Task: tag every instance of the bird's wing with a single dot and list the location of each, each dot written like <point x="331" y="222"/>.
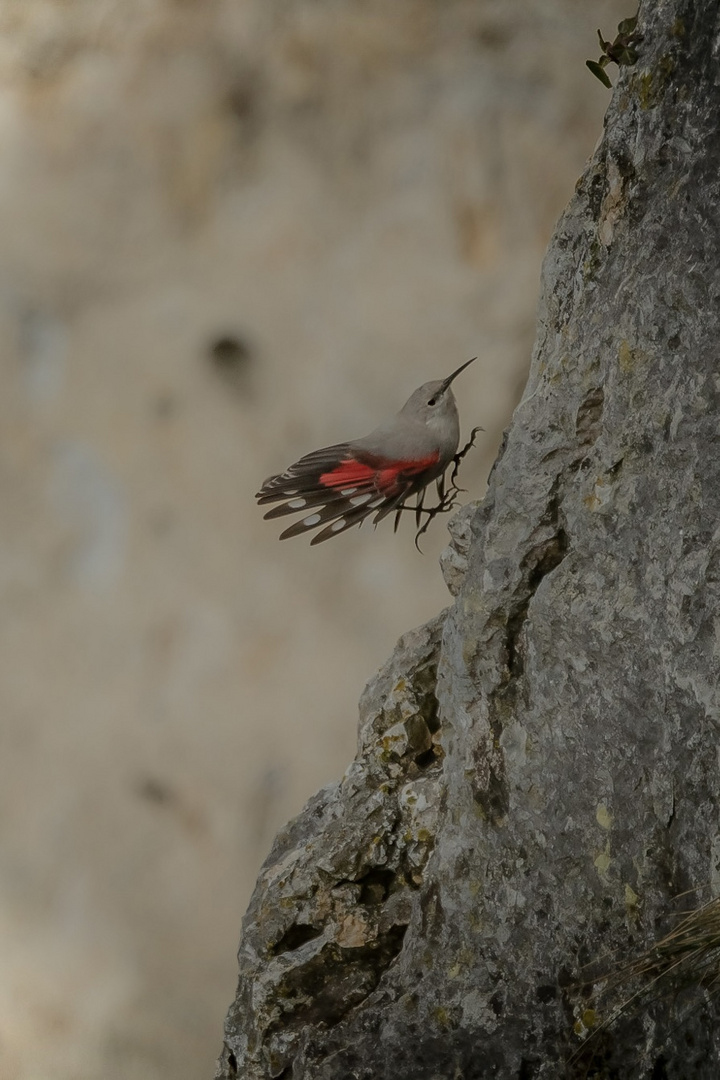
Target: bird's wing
<point x="341" y="486"/>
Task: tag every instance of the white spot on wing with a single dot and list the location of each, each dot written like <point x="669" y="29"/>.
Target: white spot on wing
<point x="297" y="504"/>
<point x="338" y="525"/>
<point x="313" y="519"/>
<point x="360" y="499"/>
<point x="348" y="491"/>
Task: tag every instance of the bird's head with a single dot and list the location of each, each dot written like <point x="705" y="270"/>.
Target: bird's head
<point x="433" y="403"/>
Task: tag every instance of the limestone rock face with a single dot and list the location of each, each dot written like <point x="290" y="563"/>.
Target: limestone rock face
<point x="537" y="778"/>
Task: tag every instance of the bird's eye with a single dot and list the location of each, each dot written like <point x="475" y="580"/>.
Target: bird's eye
<point x="432" y="401"/>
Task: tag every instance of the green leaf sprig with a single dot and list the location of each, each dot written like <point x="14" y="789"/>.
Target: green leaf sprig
<point x="621" y="51"/>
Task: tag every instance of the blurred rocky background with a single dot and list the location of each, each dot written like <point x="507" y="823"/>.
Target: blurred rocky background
<point x="230" y="231"/>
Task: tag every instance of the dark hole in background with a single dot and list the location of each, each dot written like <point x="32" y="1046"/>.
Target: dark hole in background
<point x="231" y="357"/>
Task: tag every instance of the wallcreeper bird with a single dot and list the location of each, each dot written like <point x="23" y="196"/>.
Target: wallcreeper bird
<point x="339" y="486"/>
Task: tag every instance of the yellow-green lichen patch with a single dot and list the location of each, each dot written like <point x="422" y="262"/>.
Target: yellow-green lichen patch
<point x="651" y="85"/>
<point x="631" y="899"/>
<point x="442" y="1016"/>
<point x="586" y="1022"/>
<point x="393" y="743"/>
<point x="602" y="861"/>
<point x="630" y="359"/>
<point x="594" y="260"/>
<point x="603" y="816"/>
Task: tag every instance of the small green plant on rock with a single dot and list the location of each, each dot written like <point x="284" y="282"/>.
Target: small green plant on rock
<point x="621" y="51"/>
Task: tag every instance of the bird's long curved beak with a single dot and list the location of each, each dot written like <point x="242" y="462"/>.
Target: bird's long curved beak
<point x="446" y="382"/>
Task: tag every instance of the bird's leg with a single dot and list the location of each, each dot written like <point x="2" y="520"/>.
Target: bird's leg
<point x="447" y="497"/>
<point x="459" y="457"/>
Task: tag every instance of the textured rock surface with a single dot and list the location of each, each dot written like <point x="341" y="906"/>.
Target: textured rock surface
<point x="540" y="801"/>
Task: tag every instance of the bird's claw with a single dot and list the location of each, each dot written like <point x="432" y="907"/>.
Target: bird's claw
<point x="461" y="454"/>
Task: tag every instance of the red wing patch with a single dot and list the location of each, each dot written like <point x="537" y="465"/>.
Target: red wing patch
<point x="383" y="476"/>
